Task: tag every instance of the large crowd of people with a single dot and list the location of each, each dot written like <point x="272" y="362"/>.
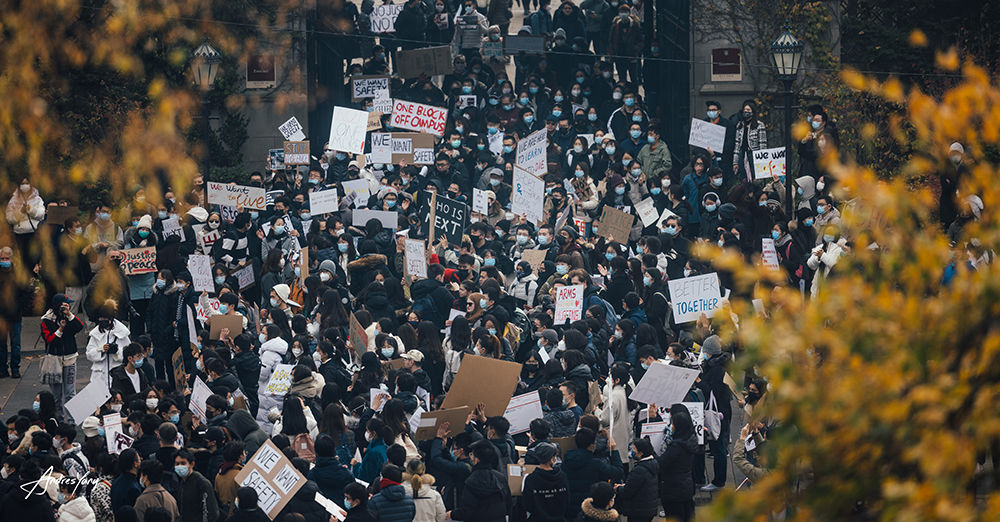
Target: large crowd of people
<point x="317" y="279"/>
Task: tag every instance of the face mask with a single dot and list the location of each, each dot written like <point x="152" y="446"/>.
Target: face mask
<point x="152" y="403"/>
<point x="522" y="240"/>
<point x="635" y="134"/>
<point x="262" y="337"/>
<point x="557" y="99"/>
<point x="223" y="309"/>
<point x="821" y="209"/>
<point x="808" y="222"/>
<point x="139" y="363"/>
<point x="103" y="216"/>
<point x="618" y="334"/>
<point x="100" y="431"/>
<point x="593" y="117"/>
<point x="279" y="230"/>
<point x="655" y="191"/>
<point x="341" y="156"/>
<point x="391" y="203"/>
<point x="619" y="190"/>
<point x="387" y="352"/>
<point x="466" y="89"/>
<point x="495" y="182"/>
<point x="820" y="185"/>
<point x="710" y="208"/>
<point x="36" y="406"/>
<point x="578" y="149"/>
<point x="636" y="119"/>
<point x="610" y="151"/>
<point x="716" y="182"/>
<point x="254" y="214"/>
<point x="636" y="173"/>
<point x="561" y="269"/>
<point x="296" y="352"/>
<point x="507" y="149"/>
<point x="775" y="235"/>
<point x="162" y="214"/>
<point x="615" y="95"/>
<point x="828" y="238"/>
<point x="305" y="216"/>
<point x="161" y="284"/>
<point x="609" y="256"/>
<point x="816" y="125"/>
<point x="492" y="331"/>
<point x="672" y="230"/>
<point x="625" y="162"/>
<point x="182" y="471"/>
<point x="199" y="365"/>
<point x="630" y="102"/>
<point x="712" y="114"/>
<point x="543" y="240"/>
<point x="482" y="303"/>
<point x="144" y="234"/>
<point x="747" y="115"/>
<point x="578" y="173"/>
<point x="78" y="231"/>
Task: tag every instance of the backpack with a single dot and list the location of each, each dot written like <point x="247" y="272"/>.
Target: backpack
<point x="303" y="446"/>
<point x="610" y="315"/>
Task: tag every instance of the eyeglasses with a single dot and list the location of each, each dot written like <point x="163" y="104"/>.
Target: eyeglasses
<point x="469" y="304"/>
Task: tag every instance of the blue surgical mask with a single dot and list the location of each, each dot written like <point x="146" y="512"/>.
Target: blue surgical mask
<point x="712" y="114"/>
<point x="557" y="113"/>
<point x="494" y="101"/>
<point x="139" y="363"/>
<point x="341" y="156"/>
<point x="490" y="261"/>
<point x="816" y="125"/>
<point x="808" y="222"/>
<point x="562" y="269"/>
<point x="100" y="431"/>
<point x="144" y="234"/>
<point x="279" y="230"/>
<point x="492" y="331"/>
<point x="629" y="102"/>
<point x="466" y="89"/>
<point x="482" y="302"/>
<point x="507" y="149"/>
<point x="672" y="230"/>
<point x="480" y="146"/>
<point x="223" y="309"/>
<point x="619" y="190"/>
<point x="625" y="162"/>
<point x="254" y="214"/>
<point x="36" y="406"/>
<point x="162" y="214"/>
<point x="313" y="181"/>
<point x="298" y="272"/>
<point x="391" y="203"/>
<point x="644" y="366"/>
<point x="522" y="240"/>
<point x="262" y="337"/>
<point x="592" y="117"/>
<point x="524" y="101"/>
<point x="647" y="281"/>
<point x="636" y="119"/>
<point x="342" y="247"/>
<point x="828" y="238"/>
<point x="198" y="365"/>
<point x="495" y="182"/>
<point x="274" y="302"/>
<point x="532" y="90"/>
<point x="161" y="284"/>
<point x="220" y="279"/>
<point x="762" y="203"/>
<point x="305" y="216"/>
<point x="558" y="99"/>
<point x="636" y="173"/>
<point x="710" y="208"/>
<point x="61" y="497"/>
<point x="347" y="504"/>
<point x="387" y="352"/>
<point x="492" y="130"/>
<point x="508" y="107"/>
<point x="529" y="119"/>
<point x="610" y="151"/>
<point x="175" y="418"/>
<point x="820" y="209"/>
<point x="578" y="173"/>
<point x="775" y="235"/>
<point x="635" y="133"/>
<point x="182" y="471"/>
<point x="543" y="240"/>
<point x="609" y="256"/>
<point x="655" y="191"/>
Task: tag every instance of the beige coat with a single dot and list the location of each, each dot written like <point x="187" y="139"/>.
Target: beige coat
<point x="616" y="403"/>
<point x="156" y="496"/>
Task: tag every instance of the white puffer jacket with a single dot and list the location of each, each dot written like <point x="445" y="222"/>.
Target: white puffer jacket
<point x="24" y="213"/>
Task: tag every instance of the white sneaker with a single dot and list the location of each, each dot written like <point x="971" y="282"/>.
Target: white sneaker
<point x="708" y="488"/>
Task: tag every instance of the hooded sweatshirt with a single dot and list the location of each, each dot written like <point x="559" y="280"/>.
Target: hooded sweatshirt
<point x="546" y="495"/>
<point x="485" y="496"/>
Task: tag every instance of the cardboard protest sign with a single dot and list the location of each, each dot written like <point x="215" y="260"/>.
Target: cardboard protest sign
<point x="363" y="87"/>
<point x="769" y="162"/>
<point x="483" y="380"/>
<point x="232" y="195"/>
<point x="347" y="130"/>
<point x="245" y="276"/>
<point x="58" y="215"/>
<point x="419" y="117"/>
<point x="657" y="433"/>
<point x="531" y="153"/>
<point x="177" y="365"/>
<point x="480" y="203"/>
<point x="431" y="61"/>
<point x="527" y="44"/>
<point x="516" y="475"/>
<point x="768" y="254"/>
<point x="88" y="400"/>
<point x="292" y="130"/>
<point x="647" y="212"/>
<point x="357" y="337"/>
<point x="296" y="152"/>
<point x="201" y="273"/>
<point x="280" y="380"/>
<point x="707" y="135"/>
<point x="388" y="218"/>
<point x="492" y="49"/>
<point x="615" y="224"/>
<point x="692" y="296"/>
<point x="383" y="18"/>
<point x="450" y="218"/>
<point x="303" y="264"/>
<point x="199" y="393"/>
<point x="416" y="258"/>
<point x="697" y="411"/>
<point x="360" y="189"/>
<point x="405" y="146"/>
<point x="569" y="304"/>
<point x="381" y="147"/>
<point x="138" y="260"/>
<point x="323" y="202"/>
<point x="527" y="196"/>
<point x="664" y="384"/>
<point x="374" y="119"/>
<point x="534" y="257"/>
<point x="565" y="444"/>
<point x="430" y="420"/>
<point x="218" y="321"/>
<point x="522" y="410"/>
<point x="272" y="476"/>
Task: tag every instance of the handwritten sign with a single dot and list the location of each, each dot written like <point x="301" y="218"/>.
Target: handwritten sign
<point x="419" y="117"/>
<point x="292" y="130"/>
<point x="138" y="260"/>
<point x="664" y="384"/>
<point x="534" y="257"/>
<point x="406" y="145"/>
<point x="615" y="224"/>
<point x="209" y="238"/>
<point x="296" y="153"/>
<point x="199" y="395"/>
<point x="272" y="476"/>
<point x="431" y="61"/>
<point x="522" y="410"/>
<point x="569" y="304"/>
<point x="357" y="337"/>
<point x="388" y="218"/>
<point x="280" y="380"/>
<point x="707" y="135"/>
<point x="347" y="130"/>
<point x="480" y="203"/>
<point x="693" y="296"/>
<point x="450" y="218"/>
<point x="769" y="162"/>
<point x="492" y="49"/>
<point x="381" y="147"/>
<point x="245" y="276"/>
<point x="697" y="411"/>
<point x="201" y="273"/>
<point x="323" y="202"/>
<point x="358" y="190"/>
<point x="416" y="260"/>
<point x="647" y="212"/>
<point x="528" y="195"/>
<point x="177" y="365"/>
<point x="531" y="153"/>
<point x="363" y="87"/>
<point x="236" y="196"/>
<point x="768" y="254"/>
<point x="383" y="18"/>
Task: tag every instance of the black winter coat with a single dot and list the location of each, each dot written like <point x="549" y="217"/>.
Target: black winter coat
<point x="676" y="479"/>
<point x="162" y="305"/>
<point x="485" y="496"/>
<point x="304" y="503"/>
<point x="637" y="498"/>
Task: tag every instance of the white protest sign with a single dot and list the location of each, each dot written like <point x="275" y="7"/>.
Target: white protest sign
<point x="112" y="432"/>
<point x="664" y="384"/>
<point x="480" y="202"/>
<point x="697" y="411"/>
<point x="382" y="104"/>
<point x="347" y="130"/>
<point x="496" y="142"/>
<point x="569" y="304"/>
<point x="531" y="153"/>
<point x="172" y="227"/>
<point x="199" y="394"/>
<point x="280" y="380"/>
<point x="271" y="475"/>
<point x="657" y="433"/>
<point x="245" y="276"/>
<point x="647" y="212"/>
<point x="88" y="400"/>
<point x="466" y="100"/>
<point x="418" y="117"/>
<point x="415" y="419"/>
<point x="231" y="195"/>
<point x="769" y="162"/>
<point x="388" y="218"/>
<point x="693" y="296"/>
<point x="707" y="135"/>
<point x="369" y="87"/>
<point x="375" y="393"/>
<point x="201" y="273"/>
<point x="323" y="202"/>
<point x="209" y="238"/>
<point x="423" y="156"/>
<point x="522" y="410"/>
<point x="381" y="147"/>
<point x="768" y="254"/>
<point x="667" y="214"/>
<point x="527" y="196"/>
<point x="292" y="130"/>
<point x="331" y="507"/>
<point x="416" y="262"/>
<point x="383" y="18"/>
<point x="202" y="313"/>
<point x="359" y="190"/>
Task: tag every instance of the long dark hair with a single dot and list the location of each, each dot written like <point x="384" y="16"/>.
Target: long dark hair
<point x="332" y="422"/>
<point x="331" y="309"/>
<point x="429" y="341"/>
<point x="395" y="418"/>
<point x="756" y="113"/>
<point x="293" y="418"/>
<point x="461" y="334"/>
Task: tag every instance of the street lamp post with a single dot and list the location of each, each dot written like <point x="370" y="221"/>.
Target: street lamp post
<point x="205" y="66"/>
<point x="786" y="52"/>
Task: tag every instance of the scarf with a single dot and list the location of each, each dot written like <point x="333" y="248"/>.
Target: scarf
<point x="384" y="483"/>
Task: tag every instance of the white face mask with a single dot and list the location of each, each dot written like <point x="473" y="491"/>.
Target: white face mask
<point x="296" y="351"/>
<point x="25" y="187"/>
<point x="152" y="403"/>
<point x="368" y="436"/>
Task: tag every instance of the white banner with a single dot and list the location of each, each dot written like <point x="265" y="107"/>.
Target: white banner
<point x="531" y="153"/>
<point x="347" y="130"/>
<point x="707" y="135"/>
<point x="693" y="296"/>
<point x="527" y="196"/>
<point x="232" y="195"/>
